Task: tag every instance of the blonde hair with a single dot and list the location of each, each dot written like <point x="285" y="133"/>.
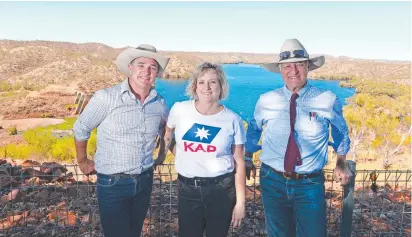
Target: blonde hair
<point x="200" y="71"/>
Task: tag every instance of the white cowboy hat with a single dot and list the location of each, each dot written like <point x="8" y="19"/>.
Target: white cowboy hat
<point x="143" y="50"/>
<point x="293" y="51"/>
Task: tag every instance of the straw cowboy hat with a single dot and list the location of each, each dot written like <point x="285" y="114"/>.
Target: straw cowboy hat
<point x="293" y="51"/>
<point x="143" y="50"/>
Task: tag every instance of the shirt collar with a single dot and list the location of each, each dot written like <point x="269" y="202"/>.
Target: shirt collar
<point x="288" y="93"/>
<point x="125" y="87"/>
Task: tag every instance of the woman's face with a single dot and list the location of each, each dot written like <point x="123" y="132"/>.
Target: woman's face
<point x="208" y="86"/>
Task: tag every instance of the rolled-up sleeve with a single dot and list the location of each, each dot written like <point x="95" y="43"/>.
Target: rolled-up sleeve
<point x="91" y="117"/>
<point x="254" y="130"/>
<point x="340" y="133"/>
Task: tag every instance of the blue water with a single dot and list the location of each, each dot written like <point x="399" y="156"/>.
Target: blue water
<point x="246" y="83"/>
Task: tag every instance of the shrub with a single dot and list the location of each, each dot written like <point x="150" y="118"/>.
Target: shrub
<point x="70" y="107"/>
<point x="5" y="86"/>
<point x="47" y="115"/>
<point x="21" y="151"/>
<point x="64" y="149"/>
<point x="12" y="130"/>
<point x="40" y="141"/>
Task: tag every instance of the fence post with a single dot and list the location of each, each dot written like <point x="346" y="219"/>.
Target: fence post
<point x="348" y="201"/>
<point x="80" y="105"/>
<point x="78" y="95"/>
<point x="85" y="101"/>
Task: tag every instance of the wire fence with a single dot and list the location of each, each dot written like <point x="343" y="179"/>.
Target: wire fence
<point x="50" y="199"/>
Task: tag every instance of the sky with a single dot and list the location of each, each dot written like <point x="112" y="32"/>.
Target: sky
<point x="370" y="30"/>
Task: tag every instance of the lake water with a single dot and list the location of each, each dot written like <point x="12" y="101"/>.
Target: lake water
<point x="246" y="83"/>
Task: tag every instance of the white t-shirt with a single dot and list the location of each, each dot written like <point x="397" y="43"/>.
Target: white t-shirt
<point x="204" y="142"/>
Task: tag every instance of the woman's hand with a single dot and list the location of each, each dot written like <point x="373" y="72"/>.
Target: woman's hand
<point x="238" y="214"/>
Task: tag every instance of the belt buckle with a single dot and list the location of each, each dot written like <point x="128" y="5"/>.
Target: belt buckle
<point x="196" y="185"/>
<point x="288" y="175"/>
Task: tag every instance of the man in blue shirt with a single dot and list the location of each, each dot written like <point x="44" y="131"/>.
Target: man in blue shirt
<point x="128" y="117"/>
<point x="296" y="120"/>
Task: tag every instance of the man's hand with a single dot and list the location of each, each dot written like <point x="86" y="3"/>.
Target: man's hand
<point x="238" y="214"/>
<point x="87" y="167"/>
<point x="341" y="173"/>
<point x="250" y="169"/>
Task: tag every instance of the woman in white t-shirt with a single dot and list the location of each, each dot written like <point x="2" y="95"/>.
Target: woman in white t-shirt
<point x="209" y="157"/>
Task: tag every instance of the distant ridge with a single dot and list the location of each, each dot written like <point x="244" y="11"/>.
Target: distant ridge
<point x="40" y="63"/>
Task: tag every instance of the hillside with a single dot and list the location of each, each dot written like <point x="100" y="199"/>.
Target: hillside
<point x="39" y="78"/>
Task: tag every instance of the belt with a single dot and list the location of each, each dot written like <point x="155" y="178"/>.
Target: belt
<point x="124" y="175"/>
<point x="204" y="181"/>
<point x="293" y="175"/>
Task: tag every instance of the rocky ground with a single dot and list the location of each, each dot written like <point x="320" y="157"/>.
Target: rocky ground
<point x="51" y="199"/>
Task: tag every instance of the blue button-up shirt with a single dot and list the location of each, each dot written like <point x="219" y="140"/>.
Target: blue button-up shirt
<point x="126" y="128"/>
<point x="316" y="109"/>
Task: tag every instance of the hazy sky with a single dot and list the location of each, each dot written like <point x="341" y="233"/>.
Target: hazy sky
<point x="377" y="30"/>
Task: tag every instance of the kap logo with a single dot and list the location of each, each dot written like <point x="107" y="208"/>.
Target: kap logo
<point x="200" y="133"/>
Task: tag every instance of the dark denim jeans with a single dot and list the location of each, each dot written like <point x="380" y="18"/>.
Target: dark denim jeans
<point x="293" y="207"/>
<point x="123" y="203"/>
<point x="206" y="207"/>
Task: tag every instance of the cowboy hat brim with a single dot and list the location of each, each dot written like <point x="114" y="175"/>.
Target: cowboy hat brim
<point x="314" y="63"/>
<point x="127" y="56"/>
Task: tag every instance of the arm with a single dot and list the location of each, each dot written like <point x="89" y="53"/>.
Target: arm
<point x="240" y="175"/>
<point x="170" y="127"/>
<point x="91" y="117"/>
<point x="254" y="130"/>
<point x="169" y="140"/>
<point x="85" y="165"/>
<point x="253" y="135"/>
<point x="166" y="143"/>
<point x="166" y="139"/>
<point x="240" y="185"/>
<point x="341" y="141"/>
<point x="81" y="151"/>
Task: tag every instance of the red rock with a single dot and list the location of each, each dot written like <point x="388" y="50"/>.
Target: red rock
<point x="30" y="163"/>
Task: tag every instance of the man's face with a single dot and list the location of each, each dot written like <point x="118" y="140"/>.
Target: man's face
<point x="143" y="72"/>
<point x="294" y="75"/>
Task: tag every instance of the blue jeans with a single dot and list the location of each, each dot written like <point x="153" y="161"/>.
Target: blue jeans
<point x="293" y="207"/>
<point x="123" y="202"/>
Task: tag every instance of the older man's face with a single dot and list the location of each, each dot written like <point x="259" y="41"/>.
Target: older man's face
<point x="143" y="72"/>
<point x="294" y="75"/>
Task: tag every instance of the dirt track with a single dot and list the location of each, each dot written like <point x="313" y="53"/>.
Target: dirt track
<point x="24" y="124"/>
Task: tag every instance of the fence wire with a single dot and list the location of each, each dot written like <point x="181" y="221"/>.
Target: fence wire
<point x="58" y="200"/>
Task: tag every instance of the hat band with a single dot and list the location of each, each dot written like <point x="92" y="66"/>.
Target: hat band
<point x="146" y="49"/>
<point x="293" y="54"/>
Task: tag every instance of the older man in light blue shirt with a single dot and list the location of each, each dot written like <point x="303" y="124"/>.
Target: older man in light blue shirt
<point x="128" y="117"/>
<point x="296" y="121"/>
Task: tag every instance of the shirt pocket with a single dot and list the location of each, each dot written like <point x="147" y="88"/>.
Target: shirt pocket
<point x="124" y="121"/>
<point x="311" y="125"/>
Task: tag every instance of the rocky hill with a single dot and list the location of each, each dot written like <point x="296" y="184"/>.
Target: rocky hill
<point x="39" y="78"/>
